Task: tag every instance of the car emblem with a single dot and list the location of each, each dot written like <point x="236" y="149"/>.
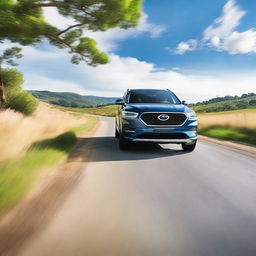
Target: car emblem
<point x="163" y="117"/>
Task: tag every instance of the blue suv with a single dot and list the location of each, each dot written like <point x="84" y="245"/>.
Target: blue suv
<point x="155" y="115"/>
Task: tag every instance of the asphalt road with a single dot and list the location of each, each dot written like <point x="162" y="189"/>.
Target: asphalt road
<point x="155" y="200"/>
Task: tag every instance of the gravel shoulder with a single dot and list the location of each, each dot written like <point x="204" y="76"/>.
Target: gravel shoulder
<point x="239" y="147"/>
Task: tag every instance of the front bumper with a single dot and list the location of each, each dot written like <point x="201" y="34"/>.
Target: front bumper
<point x="136" y="131"/>
<point x="175" y="141"/>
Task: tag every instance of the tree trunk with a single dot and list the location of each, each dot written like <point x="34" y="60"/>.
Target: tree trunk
<point x="2" y="94"/>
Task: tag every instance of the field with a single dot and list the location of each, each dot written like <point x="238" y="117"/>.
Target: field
<point x="110" y="110"/>
<point x="245" y="118"/>
<point x="18" y="132"/>
<point x="32" y="145"/>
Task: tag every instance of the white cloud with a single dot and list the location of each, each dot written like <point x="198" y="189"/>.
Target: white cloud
<point x="122" y="73"/>
<point x="183" y="47"/>
<point x="154" y="30"/>
<point x="222" y="36"/>
<point x="53" y="17"/>
<point x="108" y="40"/>
<point x="38" y="82"/>
<point x="215" y="41"/>
<point x="223" y="26"/>
<point x="240" y="43"/>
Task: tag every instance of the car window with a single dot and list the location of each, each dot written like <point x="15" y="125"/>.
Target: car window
<point x="154" y="96"/>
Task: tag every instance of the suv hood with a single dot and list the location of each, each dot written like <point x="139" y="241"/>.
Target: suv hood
<point x="156" y="108"/>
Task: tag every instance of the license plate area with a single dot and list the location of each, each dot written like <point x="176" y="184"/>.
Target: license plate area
<point x="163" y="130"/>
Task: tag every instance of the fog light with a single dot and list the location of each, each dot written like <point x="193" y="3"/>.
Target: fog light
<point x="126" y="130"/>
<point x="193" y="129"/>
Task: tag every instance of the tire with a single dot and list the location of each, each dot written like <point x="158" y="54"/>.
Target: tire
<point x="124" y="144"/>
<point x="117" y="135"/>
<point x="188" y="147"/>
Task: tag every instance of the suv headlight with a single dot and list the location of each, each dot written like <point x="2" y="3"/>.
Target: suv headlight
<point x="191" y="115"/>
<point x="128" y="114"/>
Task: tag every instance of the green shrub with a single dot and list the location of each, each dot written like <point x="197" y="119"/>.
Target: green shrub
<point x="21" y="101"/>
<point x="16" y="98"/>
<point x="242" y="104"/>
<point x="12" y="78"/>
<point x="252" y="102"/>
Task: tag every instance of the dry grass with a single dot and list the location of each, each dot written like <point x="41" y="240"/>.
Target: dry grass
<point x="240" y="119"/>
<point x="17" y="132"/>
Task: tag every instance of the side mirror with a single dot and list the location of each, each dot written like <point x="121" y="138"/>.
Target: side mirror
<point x="184" y="102"/>
<point x="119" y="102"/>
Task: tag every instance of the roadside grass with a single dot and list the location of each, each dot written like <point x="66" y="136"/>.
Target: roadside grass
<point x="17" y="178"/>
<point x="250" y="110"/>
<point x="110" y="110"/>
<point x="243" y="135"/>
<point x="238" y="118"/>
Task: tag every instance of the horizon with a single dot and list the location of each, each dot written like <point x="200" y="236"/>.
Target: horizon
<point x="100" y="96"/>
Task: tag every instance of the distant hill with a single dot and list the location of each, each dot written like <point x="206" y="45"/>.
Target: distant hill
<point x="67" y="99"/>
<point x="226" y="103"/>
<point x="74" y="100"/>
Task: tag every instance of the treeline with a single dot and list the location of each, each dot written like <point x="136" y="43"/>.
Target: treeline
<point x="64" y="103"/>
<point x="225" y="98"/>
<point x="227" y="103"/>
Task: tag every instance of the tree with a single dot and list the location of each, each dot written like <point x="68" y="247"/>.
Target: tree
<point x="7" y="57"/>
<point x="252" y="102"/>
<point x="22" y="21"/>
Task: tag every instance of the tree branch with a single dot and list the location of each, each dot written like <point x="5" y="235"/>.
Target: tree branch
<point x="70" y="27"/>
<point x="60" y="40"/>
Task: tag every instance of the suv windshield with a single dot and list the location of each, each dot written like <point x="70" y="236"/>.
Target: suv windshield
<point x="152" y="96"/>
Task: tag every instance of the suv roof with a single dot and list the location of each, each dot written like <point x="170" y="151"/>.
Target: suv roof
<point x="138" y="90"/>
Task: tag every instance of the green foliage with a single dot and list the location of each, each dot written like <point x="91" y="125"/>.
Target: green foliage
<point x="230" y="133"/>
<point x="17" y="99"/>
<point x="252" y="102"/>
<point x="21" y="101"/>
<point x="10" y="54"/>
<point x="22" y="22"/>
<point x="87" y="46"/>
<point x="12" y="79"/>
<point x="226" y="103"/>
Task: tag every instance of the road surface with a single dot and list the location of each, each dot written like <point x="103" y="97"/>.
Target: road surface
<point x="155" y="200"/>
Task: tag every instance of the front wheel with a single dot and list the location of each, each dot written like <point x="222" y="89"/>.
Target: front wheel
<point x="117" y="135"/>
<point x="188" y="147"/>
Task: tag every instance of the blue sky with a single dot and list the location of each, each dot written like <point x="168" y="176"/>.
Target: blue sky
<point x="185" y="20"/>
<point x="199" y="49"/>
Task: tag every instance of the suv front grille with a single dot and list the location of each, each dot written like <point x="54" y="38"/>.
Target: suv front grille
<point x="175" y="119"/>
